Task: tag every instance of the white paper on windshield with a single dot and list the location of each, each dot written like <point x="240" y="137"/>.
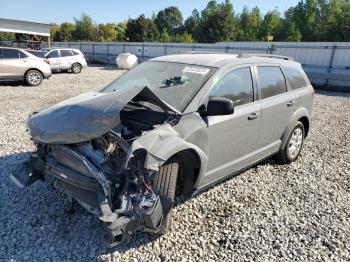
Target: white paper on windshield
<point x="196" y="70"/>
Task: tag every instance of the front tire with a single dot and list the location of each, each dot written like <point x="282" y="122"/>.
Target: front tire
<point x="294" y="144"/>
<point x="33" y="77"/>
<point x="165" y="185"/>
<point x="76" y="68"/>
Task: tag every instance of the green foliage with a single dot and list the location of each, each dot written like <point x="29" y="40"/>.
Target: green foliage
<point x="85" y="30"/>
<point x="54" y="30"/>
<point x="182" y="38"/>
<point x="249" y="25"/>
<point x="271" y="23"/>
<point x="121" y="27"/>
<point x="178" y="38"/>
<point x="217" y="23"/>
<point x="107" y="32"/>
<point x="309" y="20"/>
<point x="169" y="20"/>
<point x="141" y="29"/>
<point x="66" y="32"/>
<point x="292" y="33"/>
<point x="191" y="23"/>
<point x="6" y="36"/>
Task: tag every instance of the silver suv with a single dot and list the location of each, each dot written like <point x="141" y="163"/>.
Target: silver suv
<point x="19" y="65"/>
<point x="66" y="59"/>
<point x="173" y="125"/>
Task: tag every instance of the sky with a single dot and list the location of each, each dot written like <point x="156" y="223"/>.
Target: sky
<point x="103" y="11"/>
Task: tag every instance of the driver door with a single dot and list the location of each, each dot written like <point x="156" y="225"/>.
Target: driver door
<point x="233" y="138"/>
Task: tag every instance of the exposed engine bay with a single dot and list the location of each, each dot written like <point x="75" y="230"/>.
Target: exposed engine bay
<point x="104" y="174"/>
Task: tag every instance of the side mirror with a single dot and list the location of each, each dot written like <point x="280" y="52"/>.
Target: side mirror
<point x="47" y="56"/>
<point x="218" y="106"/>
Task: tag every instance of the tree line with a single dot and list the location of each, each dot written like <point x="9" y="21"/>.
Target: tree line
<point x="309" y="20"/>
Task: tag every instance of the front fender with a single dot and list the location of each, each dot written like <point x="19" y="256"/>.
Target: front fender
<point x="161" y="144"/>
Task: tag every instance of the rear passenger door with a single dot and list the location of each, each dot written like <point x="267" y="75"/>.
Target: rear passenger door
<point x="67" y="59"/>
<point x="277" y="105"/>
<point x="54" y="58"/>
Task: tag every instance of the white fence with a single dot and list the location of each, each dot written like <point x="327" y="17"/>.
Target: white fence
<point x="326" y="63"/>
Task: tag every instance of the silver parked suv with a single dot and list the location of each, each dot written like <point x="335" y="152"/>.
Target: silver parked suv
<point x="66" y="59"/>
<point x="19" y="65"/>
<point x="171" y="126"/>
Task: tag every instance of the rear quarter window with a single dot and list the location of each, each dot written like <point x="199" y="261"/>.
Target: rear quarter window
<point x="65" y="53"/>
<point x="271" y="81"/>
<point x="295" y="78"/>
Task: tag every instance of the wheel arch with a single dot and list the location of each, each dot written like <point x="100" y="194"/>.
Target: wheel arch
<point x="189" y="171"/>
<point x="25" y="73"/>
<point x="301" y="115"/>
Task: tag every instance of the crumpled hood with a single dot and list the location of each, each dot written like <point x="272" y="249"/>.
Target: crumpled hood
<point x="86" y="116"/>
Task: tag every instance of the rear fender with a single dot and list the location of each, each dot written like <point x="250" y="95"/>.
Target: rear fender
<point x="301" y="112"/>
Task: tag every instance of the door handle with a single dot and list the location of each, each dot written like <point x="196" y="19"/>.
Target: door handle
<point x="253" y="116"/>
<point x="291" y="103"/>
<point x="26" y="61"/>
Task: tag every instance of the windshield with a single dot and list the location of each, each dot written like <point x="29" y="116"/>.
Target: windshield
<point x="174" y="83"/>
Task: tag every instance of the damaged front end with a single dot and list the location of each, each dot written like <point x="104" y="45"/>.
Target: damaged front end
<point x="85" y="148"/>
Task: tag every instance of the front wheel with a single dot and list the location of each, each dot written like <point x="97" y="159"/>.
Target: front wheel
<point x="76" y="68"/>
<point x="294" y="144"/>
<point x="165" y="185"/>
<point x="33" y="77"/>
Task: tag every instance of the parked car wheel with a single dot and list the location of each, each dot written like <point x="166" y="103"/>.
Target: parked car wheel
<point x="294" y="144"/>
<point x="76" y="68"/>
<point x="33" y="77"/>
<point x="165" y="184"/>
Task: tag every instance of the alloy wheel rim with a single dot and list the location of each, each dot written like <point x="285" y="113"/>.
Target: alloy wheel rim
<point x="76" y="68"/>
<point x="295" y="143"/>
<point x="34" y="78"/>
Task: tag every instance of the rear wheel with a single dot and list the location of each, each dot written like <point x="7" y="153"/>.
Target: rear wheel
<point x="294" y="144"/>
<point x="165" y="185"/>
<point x="76" y="68"/>
<point x="33" y="77"/>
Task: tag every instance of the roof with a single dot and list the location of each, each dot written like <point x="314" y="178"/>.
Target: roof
<point x="212" y="60"/>
<point x="24" y="27"/>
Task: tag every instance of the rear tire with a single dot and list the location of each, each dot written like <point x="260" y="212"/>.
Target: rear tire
<point x="33" y="77"/>
<point x="165" y="185"/>
<point x="294" y="144"/>
<point x="76" y="68"/>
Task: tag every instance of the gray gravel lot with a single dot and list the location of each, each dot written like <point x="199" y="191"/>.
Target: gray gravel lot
<point x="271" y="212"/>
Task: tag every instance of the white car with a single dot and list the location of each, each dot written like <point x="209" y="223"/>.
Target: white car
<point x="64" y="59"/>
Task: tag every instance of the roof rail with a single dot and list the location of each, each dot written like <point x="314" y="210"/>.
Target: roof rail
<point x="267" y="56"/>
<point x="203" y="52"/>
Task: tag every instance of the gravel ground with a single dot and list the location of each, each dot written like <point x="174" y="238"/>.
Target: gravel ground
<point x="270" y="212"/>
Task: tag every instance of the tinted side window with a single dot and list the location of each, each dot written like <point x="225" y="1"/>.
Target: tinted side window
<point x="295" y="78"/>
<point x="272" y="81"/>
<point x="65" y="53"/>
<point x="10" y="53"/>
<point x="53" y="54"/>
<point x="236" y="85"/>
<point x="75" y="52"/>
